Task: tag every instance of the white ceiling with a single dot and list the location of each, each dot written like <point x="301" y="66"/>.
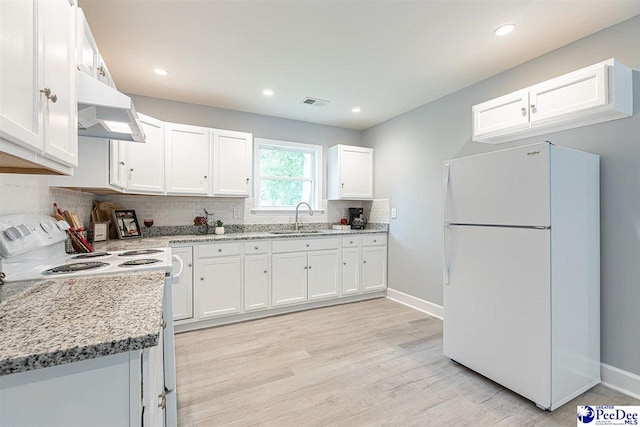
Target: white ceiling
<point x="384" y="56"/>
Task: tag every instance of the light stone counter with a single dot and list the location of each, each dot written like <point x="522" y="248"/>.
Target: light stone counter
<point x="51" y="322"/>
<point x="165" y="241"/>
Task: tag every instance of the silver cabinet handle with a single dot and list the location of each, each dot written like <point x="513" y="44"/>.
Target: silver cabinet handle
<point x="307" y="245"/>
<point x="202" y="278"/>
<point x="375" y="241"/>
<point x="189" y="265"/>
<point x="305" y="267"/>
<point x="121" y="162"/>
<point x="309" y="267"/>
<point x="364" y="262"/>
<point x="219" y="250"/>
<point x="101" y="71"/>
<point x="532" y="106"/>
<point x="344" y="263"/>
<point x="49" y="94"/>
<point x="343" y="185"/>
<point x="131" y="170"/>
<point x="350" y="242"/>
<point x="523" y="109"/>
<point x="247" y="180"/>
<point x="256" y="248"/>
<point x="164" y="324"/>
<point x="163" y="403"/>
<point x="265" y="272"/>
<point x="205" y="177"/>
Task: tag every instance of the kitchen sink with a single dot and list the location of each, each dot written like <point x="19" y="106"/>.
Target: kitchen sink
<point x="296" y="232"/>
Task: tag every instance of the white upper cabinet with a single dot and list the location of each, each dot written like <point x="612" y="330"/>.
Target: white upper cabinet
<point x="350" y="173"/>
<point x="89" y="59"/>
<point x="231" y="163"/>
<point x="146" y="160"/>
<point x="187" y="159"/>
<point x="37" y="82"/>
<point x="590" y="95"/>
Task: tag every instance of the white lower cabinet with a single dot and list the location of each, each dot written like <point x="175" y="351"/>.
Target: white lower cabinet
<point x="124" y="389"/>
<point x="350" y="271"/>
<point x="323" y="274"/>
<point x="374" y="268"/>
<point x="289" y="278"/>
<point x="182" y="290"/>
<point x="256" y="282"/>
<point x="239" y="278"/>
<point x="218" y="288"/>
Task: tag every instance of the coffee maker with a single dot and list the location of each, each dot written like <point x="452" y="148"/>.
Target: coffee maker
<point x="356" y="220"/>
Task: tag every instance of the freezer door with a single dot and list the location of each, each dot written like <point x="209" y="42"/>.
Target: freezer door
<point x="507" y="187"/>
<point x="497" y="306"/>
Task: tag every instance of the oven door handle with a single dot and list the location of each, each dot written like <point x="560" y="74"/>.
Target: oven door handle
<point x="176" y="277"/>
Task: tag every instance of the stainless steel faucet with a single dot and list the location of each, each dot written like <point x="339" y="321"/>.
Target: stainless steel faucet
<point x="310" y="213"/>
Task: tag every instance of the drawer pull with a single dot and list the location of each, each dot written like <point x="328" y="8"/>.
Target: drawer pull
<point x="189" y="265"/>
<point x="202" y="278"/>
<point x="265" y="272"/>
<point x="375" y="241"/>
<point x="219" y="250"/>
<point x="364" y="262"/>
<point x="351" y="242"/>
<point x="307" y="245"/>
<point x="256" y="248"/>
<point x="344" y="263"/>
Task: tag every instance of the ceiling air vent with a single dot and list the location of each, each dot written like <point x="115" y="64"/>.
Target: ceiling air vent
<point x="314" y="101"/>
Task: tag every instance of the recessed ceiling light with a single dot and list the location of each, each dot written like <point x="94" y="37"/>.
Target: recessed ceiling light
<point x="267" y="92"/>
<point x="160" y="71"/>
<point x="504" y="30"/>
<point x="356" y="109"/>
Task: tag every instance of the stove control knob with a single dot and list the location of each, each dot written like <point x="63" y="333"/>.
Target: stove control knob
<point x="62" y="225"/>
<point x="12" y="233"/>
<point x="46" y="226"/>
<point x="24" y="230"/>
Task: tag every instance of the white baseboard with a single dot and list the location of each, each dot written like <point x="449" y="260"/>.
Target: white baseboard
<point x="424" y="306"/>
<point x="619" y="380"/>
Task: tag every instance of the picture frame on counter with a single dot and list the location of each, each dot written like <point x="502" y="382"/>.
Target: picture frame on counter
<point x="126" y="222"/>
<point x="100" y="231"/>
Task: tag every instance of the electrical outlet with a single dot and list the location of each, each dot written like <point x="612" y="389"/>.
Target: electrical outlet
<point x="236" y="213"/>
<point x="394" y="213"/>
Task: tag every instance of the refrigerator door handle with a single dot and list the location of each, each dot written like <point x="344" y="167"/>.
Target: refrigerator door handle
<point x="445" y="225"/>
<point x="445" y="260"/>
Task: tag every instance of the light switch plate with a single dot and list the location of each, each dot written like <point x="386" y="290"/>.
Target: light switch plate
<point x="236" y="213"/>
<point x="394" y="213"/>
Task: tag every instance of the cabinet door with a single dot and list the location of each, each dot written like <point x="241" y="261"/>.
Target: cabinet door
<point x="356" y="173"/>
<point x="501" y="115"/>
<point x="187" y="159"/>
<point x="374" y="268"/>
<point x="231" y="160"/>
<point x="58" y="36"/>
<point x="153" y="385"/>
<point x="289" y="278"/>
<point x="218" y="288"/>
<point x="568" y="95"/>
<point x="182" y="292"/>
<point x="146" y="161"/>
<point x="256" y="282"/>
<point x="350" y="271"/>
<point x="19" y="77"/>
<point x="323" y="274"/>
<point x="118" y="164"/>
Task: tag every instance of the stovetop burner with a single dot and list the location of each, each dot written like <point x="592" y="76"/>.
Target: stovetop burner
<point x="77" y="266"/>
<point x="92" y="255"/>
<point x="141" y="252"/>
<point x="136" y="262"/>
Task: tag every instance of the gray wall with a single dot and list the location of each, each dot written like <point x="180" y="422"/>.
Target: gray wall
<point x="411" y="148"/>
<point x="260" y="126"/>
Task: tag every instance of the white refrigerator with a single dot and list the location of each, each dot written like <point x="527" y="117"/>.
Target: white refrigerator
<point x="522" y="269"/>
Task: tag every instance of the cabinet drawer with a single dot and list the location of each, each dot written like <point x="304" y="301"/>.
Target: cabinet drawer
<point x="351" y="242"/>
<point x="258" y="247"/>
<point x="299" y="245"/>
<point x="218" y="249"/>
<point x="375" y="240"/>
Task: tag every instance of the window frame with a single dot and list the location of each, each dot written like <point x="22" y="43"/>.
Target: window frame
<point x="291" y="146"/>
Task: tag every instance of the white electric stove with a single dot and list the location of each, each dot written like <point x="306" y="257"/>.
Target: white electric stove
<point x="32" y="247"/>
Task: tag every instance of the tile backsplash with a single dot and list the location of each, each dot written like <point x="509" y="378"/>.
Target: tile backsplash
<point x="31" y="194"/>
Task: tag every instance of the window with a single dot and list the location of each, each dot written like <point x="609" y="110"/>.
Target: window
<point x="287" y="173"/>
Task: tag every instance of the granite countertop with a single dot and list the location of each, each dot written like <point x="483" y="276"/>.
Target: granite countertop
<point x="165" y="241"/>
<point x="51" y="322"/>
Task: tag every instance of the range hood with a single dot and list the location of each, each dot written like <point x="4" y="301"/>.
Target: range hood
<point x="103" y="112"/>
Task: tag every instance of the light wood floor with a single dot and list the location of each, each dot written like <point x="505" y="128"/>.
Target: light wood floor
<point x="370" y="363"/>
